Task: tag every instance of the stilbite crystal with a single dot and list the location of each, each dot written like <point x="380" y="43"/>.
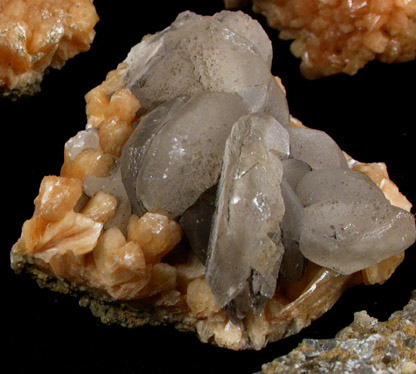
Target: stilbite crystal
<point x="341" y="36"/>
<point x="35" y="35"/>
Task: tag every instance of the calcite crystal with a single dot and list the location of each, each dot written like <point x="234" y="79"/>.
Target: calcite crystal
<point x="243" y="279"/>
<point x="193" y="197"/>
<point x="36" y="35"/>
<point x="366" y="346"/>
<point x="341" y="36"/>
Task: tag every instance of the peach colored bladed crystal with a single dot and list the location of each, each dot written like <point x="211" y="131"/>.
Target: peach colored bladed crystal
<point x="38" y="34"/>
<point x="341" y="36"/>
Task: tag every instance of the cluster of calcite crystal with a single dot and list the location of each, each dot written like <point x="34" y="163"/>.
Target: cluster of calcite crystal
<point x="341" y="36"/>
<point x="192" y="194"/>
<point x="37" y="34"/>
<point x="366" y="346"/>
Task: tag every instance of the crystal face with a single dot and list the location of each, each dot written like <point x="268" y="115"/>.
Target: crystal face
<point x="197" y="54"/>
<point x="293" y="262"/>
<point x="337" y="184"/>
<point x="348" y="237"/>
<point x="316" y="148"/>
<point x="243" y="265"/>
<point x="184" y="158"/>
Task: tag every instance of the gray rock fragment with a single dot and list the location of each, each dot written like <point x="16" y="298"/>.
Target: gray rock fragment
<point x="366" y="346"/>
<point x="245" y="248"/>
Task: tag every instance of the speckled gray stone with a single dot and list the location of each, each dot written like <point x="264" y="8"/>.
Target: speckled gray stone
<point x="366" y="346"/>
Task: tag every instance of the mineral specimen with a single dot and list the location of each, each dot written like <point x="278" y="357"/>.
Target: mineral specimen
<point x="189" y="148"/>
<point x="36" y="35"/>
<point x="341" y="36"/>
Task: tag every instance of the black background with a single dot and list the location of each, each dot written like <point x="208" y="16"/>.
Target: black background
<point x="371" y="116"/>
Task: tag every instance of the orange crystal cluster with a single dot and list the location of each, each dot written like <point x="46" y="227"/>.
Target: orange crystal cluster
<point x="341" y="36"/>
<point x="66" y="233"/>
<point x="37" y="34"/>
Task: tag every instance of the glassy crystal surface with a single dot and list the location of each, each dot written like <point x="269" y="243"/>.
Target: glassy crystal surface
<point x="113" y="185"/>
<point x="285" y="198"/>
<point x="245" y="249"/>
<point x="184" y="158"/>
<point x="285" y="194"/>
<point x="316" y="148"/>
<point x="293" y="263"/>
<point x="196" y="223"/>
<point x="350" y="236"/>
<point x="246" y="26"/>
<point x="83" y="140"/>
<point x="294" y="170"/>
<point x="138" y="146"/>
<point x="337" y="184"/>
<point x="197" y="54"/>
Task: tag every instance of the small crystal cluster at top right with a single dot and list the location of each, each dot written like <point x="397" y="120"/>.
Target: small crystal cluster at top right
<point x="342" y="36"/>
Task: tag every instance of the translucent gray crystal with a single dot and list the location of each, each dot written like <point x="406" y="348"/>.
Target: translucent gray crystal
<point x="137" y="147"/>
<point x="316" y="148"/>
<point x="198" y="54"/>
<point x="294" y="170"/>
<point x="184" y="157"/>
<point x="249" y="28"/>
<point x="294" y="212"/>
<point x="337" y="184"/>
<point x="196" y="223"/>
<point x="350" y="236"/>
<point x="245" y="248"/>
<point x="113" y="185"/>
<point x="83" y="140"/>
<point x="293" y="263"/>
